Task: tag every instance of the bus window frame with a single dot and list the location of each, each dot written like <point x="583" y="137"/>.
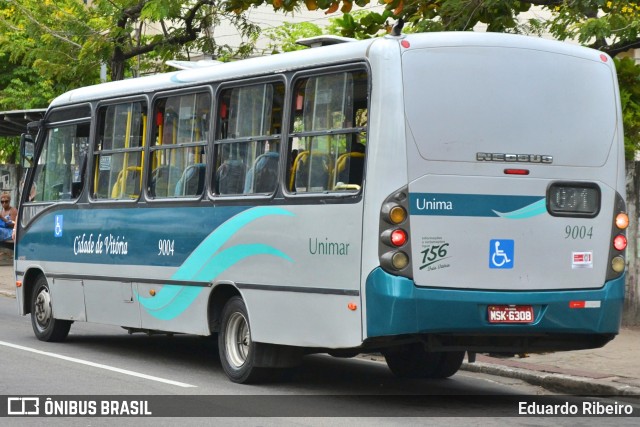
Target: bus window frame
<point x="326" y="195"/>
<point x="280" y="78"/>
<point x="36" y="208"/>
<point x="208" y="144"/>
<point x="97" y="106"/>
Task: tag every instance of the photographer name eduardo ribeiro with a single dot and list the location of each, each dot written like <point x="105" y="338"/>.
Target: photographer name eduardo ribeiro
<point x="583" y="409"/>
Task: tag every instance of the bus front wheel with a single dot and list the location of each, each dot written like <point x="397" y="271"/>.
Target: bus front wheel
<point x="413" y="361"/>
<point x="45" y="326"/>
<point x="237" y="350"/>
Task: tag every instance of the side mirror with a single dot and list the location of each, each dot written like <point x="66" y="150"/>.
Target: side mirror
<point x="26" y="150"/>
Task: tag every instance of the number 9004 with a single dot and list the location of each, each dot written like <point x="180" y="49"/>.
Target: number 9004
<point x="578" y="232"/>
<point x="165" y="247"/>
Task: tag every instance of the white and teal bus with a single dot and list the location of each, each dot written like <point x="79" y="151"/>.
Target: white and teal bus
<point x="421" y="196"/>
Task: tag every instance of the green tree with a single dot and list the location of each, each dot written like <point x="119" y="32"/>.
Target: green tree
<point x="629" y="81"/>
<point x="45" y="39"/>
<point x="71" y="40"/>
<point x="283" y="38"/>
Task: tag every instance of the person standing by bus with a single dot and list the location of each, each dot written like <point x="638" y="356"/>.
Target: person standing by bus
<point x="7" y="217"/>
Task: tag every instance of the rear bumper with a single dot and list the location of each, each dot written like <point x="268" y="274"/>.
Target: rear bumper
<point x="396" y="307"/>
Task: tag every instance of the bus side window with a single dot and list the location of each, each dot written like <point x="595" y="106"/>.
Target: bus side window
<point x="328" y="133"/>
<point x="247" y="146"/>
<point x="178" y="149"/>
<point x="118" y="153"/>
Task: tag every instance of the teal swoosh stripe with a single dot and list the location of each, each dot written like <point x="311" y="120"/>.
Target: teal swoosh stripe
<point x="233" y="255"/>
<point x="210" y="245"/>
<point x="179" y="298"/>
<point x="474" y="205"/>
<point x="534" y="209"/>
<point x="206" y="263"/>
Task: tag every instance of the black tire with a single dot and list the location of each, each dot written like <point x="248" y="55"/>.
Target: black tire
<point x="45" y="326"/>
<point x="413" y="361"/>
<point x="237" y="351"/>
<point x="449" y="364"/>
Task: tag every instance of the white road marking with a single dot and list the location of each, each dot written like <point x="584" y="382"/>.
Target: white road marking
<point x="96" y="365"/>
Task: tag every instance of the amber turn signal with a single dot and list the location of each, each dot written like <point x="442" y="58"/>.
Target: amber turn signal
<point x="622" y="220"/>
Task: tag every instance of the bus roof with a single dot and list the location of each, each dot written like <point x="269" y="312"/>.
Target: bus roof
<point x="227" y="71"/>
<point x="325" y="55"/>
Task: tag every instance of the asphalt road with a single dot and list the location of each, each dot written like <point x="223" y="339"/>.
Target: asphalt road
<point x="99" y="360"/>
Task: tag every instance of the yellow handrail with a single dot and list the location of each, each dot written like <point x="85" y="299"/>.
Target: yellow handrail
<point x="127" y="141"/>
<point x="144" y="141"/>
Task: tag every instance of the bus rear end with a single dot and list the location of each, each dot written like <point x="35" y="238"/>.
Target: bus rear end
<point x="514" y="234"/>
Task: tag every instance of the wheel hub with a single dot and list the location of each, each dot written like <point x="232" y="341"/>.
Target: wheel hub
<point x="238" y="340"/>
<point x="43" y="308"/>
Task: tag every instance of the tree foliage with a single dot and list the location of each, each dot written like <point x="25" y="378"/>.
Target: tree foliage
<point x="40" y="44"/>
<point x="609" y="26"/>
<point x="283" y="38"/>
<point x="629" y="81"/>
<point x="68" y="41"/>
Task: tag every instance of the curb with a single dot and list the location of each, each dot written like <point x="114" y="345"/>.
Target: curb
<point x="9" y="294"/>
<point x="559" y="383"/>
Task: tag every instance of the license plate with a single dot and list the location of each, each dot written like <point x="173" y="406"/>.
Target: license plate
<point x="510" y="314"/>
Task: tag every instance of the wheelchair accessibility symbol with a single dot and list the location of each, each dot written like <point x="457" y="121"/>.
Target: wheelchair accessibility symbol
<point x="501" y="253"/>
<point x="57" y="228"/>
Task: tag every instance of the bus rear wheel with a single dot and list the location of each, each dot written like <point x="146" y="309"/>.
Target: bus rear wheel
<point x="45" y="326"/>
<point x="413" y="361"/>
<point x="237" y="350"/>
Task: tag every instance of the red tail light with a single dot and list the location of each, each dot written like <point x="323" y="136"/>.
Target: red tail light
<point x="398" y="237"/>
<point x="620" y="242"/>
